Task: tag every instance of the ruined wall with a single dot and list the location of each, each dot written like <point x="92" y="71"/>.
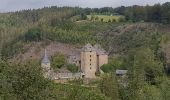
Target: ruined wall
<point x="74" y="60"/>
<point x="46" y="66"/>
<point x="46" y="70"/>
<point x="89" y="64"/>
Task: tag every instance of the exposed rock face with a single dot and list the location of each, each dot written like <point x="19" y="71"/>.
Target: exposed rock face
<point x="35" y="51"/>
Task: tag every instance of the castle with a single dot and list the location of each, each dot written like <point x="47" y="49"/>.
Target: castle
<point x="89" y="61"/>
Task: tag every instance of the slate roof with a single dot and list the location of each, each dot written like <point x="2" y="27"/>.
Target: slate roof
<point x="45" y="60"/>
<point x="88" y="47"/>
<point x="99" y="50"/>
<point x="121" y="72"/>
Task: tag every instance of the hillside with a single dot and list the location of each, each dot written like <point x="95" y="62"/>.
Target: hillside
<point x="35" y="51"/>
<point x="111" y="39"/>
<point x="141" y="47"/>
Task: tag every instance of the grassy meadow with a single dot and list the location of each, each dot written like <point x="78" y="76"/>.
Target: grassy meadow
<point x="105" y="18"/>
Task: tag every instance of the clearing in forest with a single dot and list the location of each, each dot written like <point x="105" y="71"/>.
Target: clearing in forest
<point x="105" y="18"/>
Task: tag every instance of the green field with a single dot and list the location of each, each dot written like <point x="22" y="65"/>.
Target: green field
<point x="105" y="18"/>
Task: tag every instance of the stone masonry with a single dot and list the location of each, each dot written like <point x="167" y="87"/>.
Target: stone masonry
<point x="90" y="60"/>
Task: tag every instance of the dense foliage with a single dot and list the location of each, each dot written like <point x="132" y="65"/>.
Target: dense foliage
<point x="26" y="82"/>
<point x="157" y="13"/>
<point x="72" y="67"/>
<point x="58" y="60"/>
<point x="33" y="35"/>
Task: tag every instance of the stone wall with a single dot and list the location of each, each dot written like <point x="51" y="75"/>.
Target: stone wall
<point x="102" y="59"/>
<point x="74" y="59"/>
<point x="90" y="60"/>
<point x="46" y="66"/>
<point x="50" y="74"/>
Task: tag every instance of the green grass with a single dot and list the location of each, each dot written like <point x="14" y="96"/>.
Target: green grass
<point x="105" y="18"/>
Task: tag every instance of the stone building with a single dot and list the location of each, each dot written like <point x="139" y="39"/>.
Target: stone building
<point x="89" y="61"/>
<point x="92" y="58"/>
<point x="74" y="59"/>
<point x="49" y="73"/>
<point x="45" y="64"/>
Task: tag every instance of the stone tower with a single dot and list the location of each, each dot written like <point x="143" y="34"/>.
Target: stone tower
<point x="45" y="63"/>
<point x="102" y="56"/>
<point x="88" y="61"/>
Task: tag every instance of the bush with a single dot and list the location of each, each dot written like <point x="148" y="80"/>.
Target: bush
<point x="113" y="20"/>
<point x="107" y="68"/>
<point x="11" y="48"/>
<point x="121" y="19"/>
<point x="58" y="60"/>
<point x="23" y="82"/>
<point x="109" y="20"/>
<point x="72" y="67"/>
<point x="34" y="34"/>
<point x="114" y="63"/>
<point x="83" y="16"/>
<point x="102" y="19"/>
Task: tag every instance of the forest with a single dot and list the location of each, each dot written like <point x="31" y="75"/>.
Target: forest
<point x="139" y="43"/>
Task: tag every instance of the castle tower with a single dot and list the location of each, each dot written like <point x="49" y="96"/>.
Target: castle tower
<point x="102" y="56"/>
<point x="45" y="63"/>
<point x="89" y="61"/>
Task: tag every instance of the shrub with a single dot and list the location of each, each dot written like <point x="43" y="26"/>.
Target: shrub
<point x="113" y="20"/>
<point x="102" y="19"/>
<point x="107" y="68"/>
<point x="109" y="20"/>
<point x="121" y="19"/>
<point x="58" y="60"/>
<point x="72" y="67"/>
<point x="33" y="34"/>
<point x="83" y="16"/>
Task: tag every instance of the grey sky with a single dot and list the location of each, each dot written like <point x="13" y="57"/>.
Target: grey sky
<point x="13" y="5"/>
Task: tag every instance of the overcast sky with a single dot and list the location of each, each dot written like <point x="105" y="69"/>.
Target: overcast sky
<point x="13" y="5"/>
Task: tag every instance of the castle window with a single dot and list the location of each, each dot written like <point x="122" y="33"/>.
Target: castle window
<point x="90" y="67"/>
<point x="90" y="55"/>
<point x="90" y="59"/>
